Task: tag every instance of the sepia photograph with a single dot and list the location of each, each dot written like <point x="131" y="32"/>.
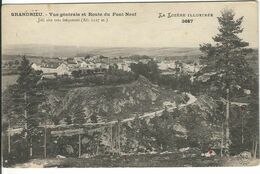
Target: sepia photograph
<point x="113" y="85"/>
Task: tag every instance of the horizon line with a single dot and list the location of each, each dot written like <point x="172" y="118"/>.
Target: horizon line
<point x="37" y="44"/>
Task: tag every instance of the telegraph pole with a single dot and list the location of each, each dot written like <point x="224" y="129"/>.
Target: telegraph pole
<point x="111" y="133"/>
<point x="243" y="109"/>
<point x="79" y="145"/>
<point x="9" y="136"/>
<point x="45" y="140"/>
<point x="222" y="136"/>
<point x="242" y="133"/>
<point x="119" y="147"/>
<point x="26" y="125"/>
<point x="25" y="114"/>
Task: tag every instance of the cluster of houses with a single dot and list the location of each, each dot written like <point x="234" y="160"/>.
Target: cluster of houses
<point x="65" y="66"/>
<point x="98" y="63"/>
<point x="168" y="67"/>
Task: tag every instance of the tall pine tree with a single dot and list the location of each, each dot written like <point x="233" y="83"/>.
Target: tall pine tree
<point x="226" y="64"/>
<point x="26" y="89"/>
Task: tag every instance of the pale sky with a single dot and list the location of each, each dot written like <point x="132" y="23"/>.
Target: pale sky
<point x="143" y="30"/>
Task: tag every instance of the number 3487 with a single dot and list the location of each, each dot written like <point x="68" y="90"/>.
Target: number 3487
<point x="187" y="20"/>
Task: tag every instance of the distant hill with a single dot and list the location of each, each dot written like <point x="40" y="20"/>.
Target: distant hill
<point x="69" y="51"/>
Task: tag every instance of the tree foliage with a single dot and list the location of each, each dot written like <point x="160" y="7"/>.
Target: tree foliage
<point x="149" y="70"/>
<point x="79" y="115"/>
<point x="27" y="95"/>
<point x="226" y="58"/>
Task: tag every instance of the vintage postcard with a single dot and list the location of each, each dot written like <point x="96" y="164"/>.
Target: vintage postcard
<point x="130" y="85"/>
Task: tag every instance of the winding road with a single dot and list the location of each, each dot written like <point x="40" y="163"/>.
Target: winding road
<point x="158" y="113"/>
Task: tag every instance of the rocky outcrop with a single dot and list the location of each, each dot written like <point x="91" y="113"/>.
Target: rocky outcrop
<point x="113" y="102"/>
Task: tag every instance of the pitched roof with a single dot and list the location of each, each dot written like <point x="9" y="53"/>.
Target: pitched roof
<point x="53" y="65"/>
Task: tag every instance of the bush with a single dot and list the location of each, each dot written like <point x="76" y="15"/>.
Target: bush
<point x="19" y="153"/>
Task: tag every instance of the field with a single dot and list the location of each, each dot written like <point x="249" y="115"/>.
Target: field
<point x="8" y="80"/>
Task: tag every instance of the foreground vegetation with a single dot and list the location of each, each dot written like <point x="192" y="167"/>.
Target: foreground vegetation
<point x="150" y="160"/>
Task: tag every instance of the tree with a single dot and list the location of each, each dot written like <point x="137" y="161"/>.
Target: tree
<point x="252" y="122"/>
<point x="153" y="71"/>
<point x="115" y="66"/>
<point x="79" y="115"/>
<point x="26" y="98"/>
<point x="93" y="118"/>
<point x="165" y="114"/>
<point x="149" y="70"/>
<point x="163" y="131"/>
<point x="184" y="82"/>
<point x="16" y="62"/>
<point x="226" y="62"/>
<point x="76" y="74"/>
<point x="68" y="119"/>
<point x="178" y="67"/>
<point x="195" y="65"/>
<point x="138" y="136"/>
<point x="10" y="63"/>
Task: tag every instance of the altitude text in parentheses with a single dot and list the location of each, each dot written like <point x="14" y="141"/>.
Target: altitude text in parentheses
<point x="84" y="20"/>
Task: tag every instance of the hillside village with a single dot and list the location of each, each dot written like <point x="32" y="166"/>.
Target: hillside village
<point x="99" y="64"/>
<point x="65" y="66"/>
